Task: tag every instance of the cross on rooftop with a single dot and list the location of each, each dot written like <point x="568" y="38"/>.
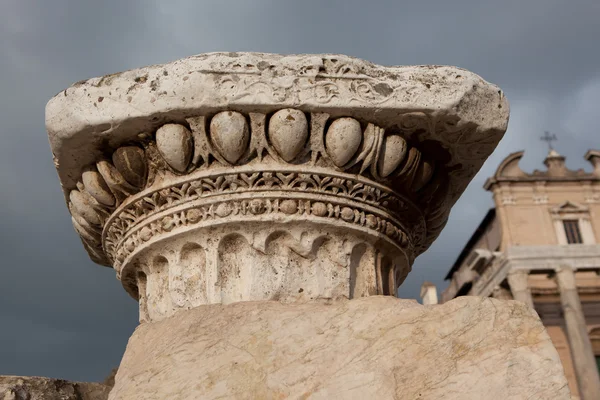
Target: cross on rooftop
<point x="549" y="138"/>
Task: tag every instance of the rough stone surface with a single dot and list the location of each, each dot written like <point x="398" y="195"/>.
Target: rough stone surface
<point x="371" y="348"/>
<point x="38" y="388"/>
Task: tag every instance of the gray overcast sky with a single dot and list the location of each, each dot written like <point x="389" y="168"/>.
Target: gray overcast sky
<point x="63" y="316"/>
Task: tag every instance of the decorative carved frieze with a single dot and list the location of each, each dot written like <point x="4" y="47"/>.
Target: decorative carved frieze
<point x="329" y="147"/>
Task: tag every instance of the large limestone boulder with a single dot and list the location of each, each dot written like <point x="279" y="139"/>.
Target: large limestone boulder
<point x="38" y="388"/>
<point x="369" y="348"/>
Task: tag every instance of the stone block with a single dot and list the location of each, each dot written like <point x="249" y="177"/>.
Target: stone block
<point x="370" y="348"/>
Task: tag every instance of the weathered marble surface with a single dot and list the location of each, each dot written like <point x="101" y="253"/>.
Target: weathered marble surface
<point x="38" y="388"/>
<point x="370" y="348"/>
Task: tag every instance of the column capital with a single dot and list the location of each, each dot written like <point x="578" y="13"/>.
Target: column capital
<point x="518" y="279"/>
<point x="519" y="285"/>
<point x="259" y="176"/>
<point x="565" y="276"/>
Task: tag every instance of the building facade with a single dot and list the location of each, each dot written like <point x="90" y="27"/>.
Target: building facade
<point x="540" y="244"/>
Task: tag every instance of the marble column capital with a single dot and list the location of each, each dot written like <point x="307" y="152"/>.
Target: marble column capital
<point x="257" y="176"/>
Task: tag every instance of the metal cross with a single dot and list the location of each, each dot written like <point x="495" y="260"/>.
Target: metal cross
<point x="549" y="138"/>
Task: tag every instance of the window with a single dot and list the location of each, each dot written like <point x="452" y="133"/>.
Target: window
<point x="572" y="231"/>
<point x="572" y="224"/>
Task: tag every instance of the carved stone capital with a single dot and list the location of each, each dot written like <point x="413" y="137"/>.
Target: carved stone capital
<point x="238" y="176"/>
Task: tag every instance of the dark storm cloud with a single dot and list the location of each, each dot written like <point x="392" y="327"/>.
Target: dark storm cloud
<point x="63" y="316"/>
